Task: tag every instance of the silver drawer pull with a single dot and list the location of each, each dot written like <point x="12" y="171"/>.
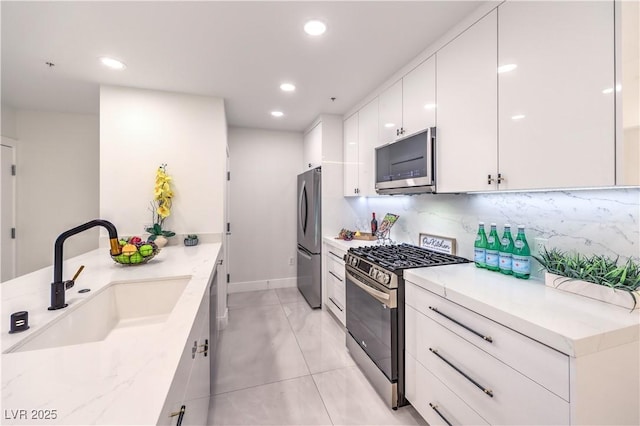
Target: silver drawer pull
<point x="335" y="255"/>
<point x="334" y="302"/>
<point x="435" y="408"/>
<point x="337" y="277"/>
<point x="487" y="338"/>
<point x="478" y="385"/>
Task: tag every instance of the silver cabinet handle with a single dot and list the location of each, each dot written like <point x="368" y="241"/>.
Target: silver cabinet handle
<point x="487" y="338"/>
<point x="335" y="255"/>
<point x="336" y="277"/>
<point x="334" y="302"/>
<point x="486" y="391"/>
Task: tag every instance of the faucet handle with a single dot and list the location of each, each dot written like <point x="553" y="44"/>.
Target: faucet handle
<point x="80" y="269"/>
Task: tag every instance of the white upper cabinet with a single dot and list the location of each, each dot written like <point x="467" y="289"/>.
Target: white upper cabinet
<point x="409" y="105"/>
<point x="350" y="132"/>
<point x="556" y="107"/>
<point x="419" y="97"/>
<point x="466" y="138"/>
<point x="360" y="140"/>
<point x="367" y="141"/>
<point x="312" y="150"/>
<point x="390" y="118"/>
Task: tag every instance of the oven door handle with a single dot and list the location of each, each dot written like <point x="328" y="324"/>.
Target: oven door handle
<point x="380" y="296"/>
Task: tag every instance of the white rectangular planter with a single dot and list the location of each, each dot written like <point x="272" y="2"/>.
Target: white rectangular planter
<point x="594" y="291"/>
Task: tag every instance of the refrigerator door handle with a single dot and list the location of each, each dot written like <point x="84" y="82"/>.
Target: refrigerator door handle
<point x="303" y="208"/>
<point x="304" y="253"/>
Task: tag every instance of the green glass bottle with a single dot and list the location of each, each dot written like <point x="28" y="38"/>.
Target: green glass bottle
<point x="506" y="251"/>
<point x="480" y="247"/>
<point x="521" y="256"/>
<point x="493" y="249"/>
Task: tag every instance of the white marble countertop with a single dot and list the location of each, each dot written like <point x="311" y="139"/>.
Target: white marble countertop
<point x="106" y="382"/>
<point x="569" y="323"/>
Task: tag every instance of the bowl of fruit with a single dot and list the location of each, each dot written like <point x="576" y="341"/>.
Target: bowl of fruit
<point x="135" y="251"/>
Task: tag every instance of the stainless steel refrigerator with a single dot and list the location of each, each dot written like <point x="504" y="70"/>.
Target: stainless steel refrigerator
<point x="309" y="236"/>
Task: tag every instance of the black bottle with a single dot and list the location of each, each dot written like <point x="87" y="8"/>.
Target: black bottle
<point x="374" y="225"/>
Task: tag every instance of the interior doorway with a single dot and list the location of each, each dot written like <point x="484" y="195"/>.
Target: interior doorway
<point x="7" y="209"/>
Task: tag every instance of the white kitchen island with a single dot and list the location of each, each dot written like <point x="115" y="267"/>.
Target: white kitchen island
<point x="129" y="378"/>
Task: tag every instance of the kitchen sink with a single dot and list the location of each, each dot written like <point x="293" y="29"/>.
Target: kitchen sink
<point x="118" y="308"/>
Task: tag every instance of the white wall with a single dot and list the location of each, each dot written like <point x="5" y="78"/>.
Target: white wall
<point x="140" y="130"/>
<point x="264" y="166"/>
<point x="8" y="122"/>
<point x="590" y="222"/>
<point x="56" y="184"/>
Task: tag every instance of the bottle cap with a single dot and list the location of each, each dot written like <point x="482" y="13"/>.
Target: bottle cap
<point x="506" y="225"/>
<point x="493" y="224"/>
<point x="480" y="223"/>
<point x="520" y="226"/>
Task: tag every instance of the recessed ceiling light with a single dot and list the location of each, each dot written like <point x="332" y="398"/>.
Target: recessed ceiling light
<point x="112" y="63"/>
<point x="287" y="87"/>
<point x="277" y="113"/>
<point x="507" y="68"/>
<point x="429" y="106"/>
<point x="518" y="117"/>
<point x="315" y="27"/>
<point x="388" y="125"/>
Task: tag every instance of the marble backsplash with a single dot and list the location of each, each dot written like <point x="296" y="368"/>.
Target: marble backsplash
<point x="602" y="221"/>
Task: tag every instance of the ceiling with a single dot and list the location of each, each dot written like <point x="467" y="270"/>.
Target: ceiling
<point x="239" y="50"/>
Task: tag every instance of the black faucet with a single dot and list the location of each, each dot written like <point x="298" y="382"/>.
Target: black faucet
<point x="58" y="287"/>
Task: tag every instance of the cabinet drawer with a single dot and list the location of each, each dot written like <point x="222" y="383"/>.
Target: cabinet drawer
<point x="336" y="292"/>
<point x="540" y="363"/>
<point x="428" y="394"/>
<point x="335" y="266"/>
<point x="500" y="394"/>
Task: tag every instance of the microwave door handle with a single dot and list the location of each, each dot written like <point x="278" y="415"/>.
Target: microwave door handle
<point x="378" y="295"/>
<point x="431" y="156"/>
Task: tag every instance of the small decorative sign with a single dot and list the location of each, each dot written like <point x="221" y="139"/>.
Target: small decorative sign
<point x="437" y="243"/>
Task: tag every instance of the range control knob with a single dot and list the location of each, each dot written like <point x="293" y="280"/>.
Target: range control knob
<point x="354" y="261"/>
<point x="386" y="278"/>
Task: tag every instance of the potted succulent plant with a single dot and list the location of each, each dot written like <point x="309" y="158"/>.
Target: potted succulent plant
<point x="191" y="240"/>
<point x="597" y="277"/>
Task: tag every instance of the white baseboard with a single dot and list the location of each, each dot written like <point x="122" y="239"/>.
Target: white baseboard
<point x="223" y="321"/>
<point x="261" y="285"/>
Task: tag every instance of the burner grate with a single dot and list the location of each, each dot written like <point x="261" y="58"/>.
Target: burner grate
<point x="405" y="256"/>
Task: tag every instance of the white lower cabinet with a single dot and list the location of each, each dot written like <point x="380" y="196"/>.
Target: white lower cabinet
<point x="436" y="402"/>
<point x="469" y="365"/>
<point x="184" y="404"/>
<point x="335" y="296"/>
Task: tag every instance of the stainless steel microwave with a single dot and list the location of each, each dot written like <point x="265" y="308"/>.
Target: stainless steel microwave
<point x="407" y="166"/>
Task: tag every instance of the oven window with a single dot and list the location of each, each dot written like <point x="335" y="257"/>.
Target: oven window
<point x="373" y="325"/>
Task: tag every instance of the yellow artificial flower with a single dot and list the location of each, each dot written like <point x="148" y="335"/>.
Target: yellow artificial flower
<point x="163" y="211"/>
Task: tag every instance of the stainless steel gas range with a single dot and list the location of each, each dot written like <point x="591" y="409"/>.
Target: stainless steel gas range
<point x="375" y="311"/>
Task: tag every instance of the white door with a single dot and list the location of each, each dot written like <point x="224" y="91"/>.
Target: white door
<point x="7" y="207"/>
<point x="419" y="97"/>
<point x="350" y="131"/>
<point x="467" y="135"/>
<point x="367" y="141"/>
<point x="222" y="280"/>
<point x="556" y="118"/>
<point x="390" y="123"/>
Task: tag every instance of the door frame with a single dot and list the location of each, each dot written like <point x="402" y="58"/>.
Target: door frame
<point x="13" y="144"/>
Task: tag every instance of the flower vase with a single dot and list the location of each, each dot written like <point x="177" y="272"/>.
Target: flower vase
<point x="161" y="241"/>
